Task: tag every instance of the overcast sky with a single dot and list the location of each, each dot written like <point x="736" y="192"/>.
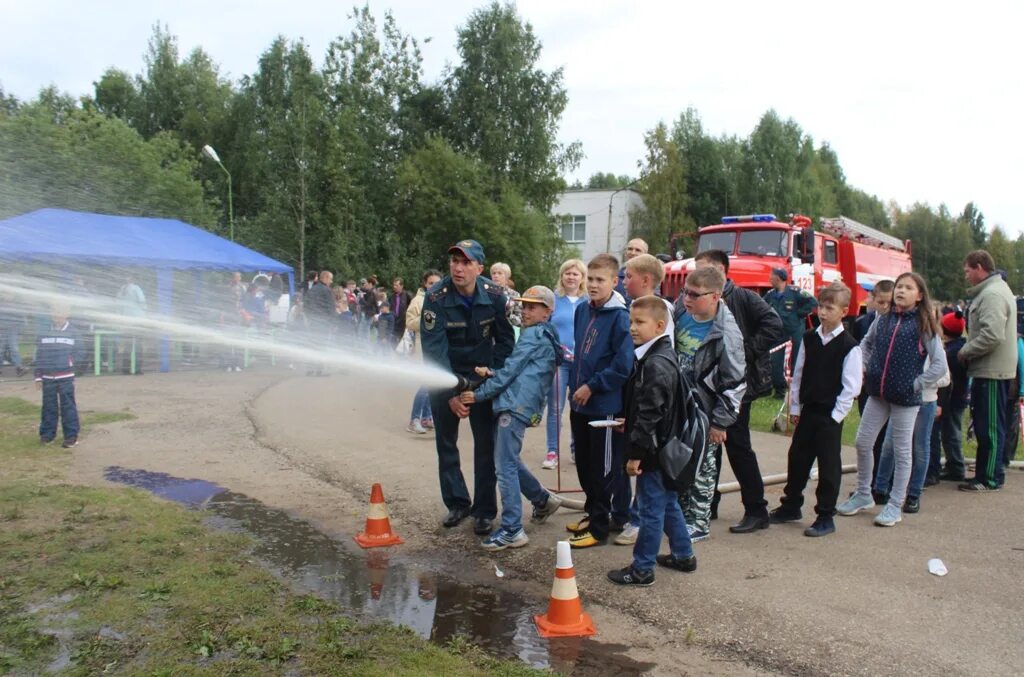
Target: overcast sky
<point x="920" y="100"/>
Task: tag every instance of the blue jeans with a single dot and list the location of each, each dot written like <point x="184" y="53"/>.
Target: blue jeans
<point x="9" y="340"/>
<point x="948" y="435"/>
<point x="659" y="512"/>
<point x="420" y="405"/>
<point x="513" y="476"/>
<point x="558" y="400"/>
<point x="921" y="451"/>
<point x="59" y="402"/>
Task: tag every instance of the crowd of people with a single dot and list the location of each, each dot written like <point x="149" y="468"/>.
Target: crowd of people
<point x="604" y="345"/>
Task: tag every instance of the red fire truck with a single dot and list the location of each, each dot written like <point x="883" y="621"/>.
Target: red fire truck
<point x="841" y="249"/>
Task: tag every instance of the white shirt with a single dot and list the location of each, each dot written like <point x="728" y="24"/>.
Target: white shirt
<point x="852" y="378"/>
<point x="640" y="351"/>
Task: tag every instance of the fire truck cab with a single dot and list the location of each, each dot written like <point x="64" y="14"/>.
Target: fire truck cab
<point x="841" y="249"/>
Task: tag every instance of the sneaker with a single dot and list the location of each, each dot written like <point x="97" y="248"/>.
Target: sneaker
<point x="43" y="441"/>
<point x="630" y="576"/>
<point x="696" y="534"/>
<point x="540" y="515"/>
<point x="855" y="504"/>
<point x="782" y="515"/>
<point x="688" y="565"/>
<point x="578" y="527"/>
<point x="889" y="516"/>
<point x="931" y="480"/>
<point x="427" y="423"/>
<point x="628" y="535"/>
<point x="979" y="487"/>
<point x="823" y="526"/>
<point x="21" y="371"/>
<point x="912" y="504"/>
<point x="585" y="539"/>
<point x="880" y="497"/>
<point x="502" y="539"/>
<point x="236" y="369"/>
<point x="550" y="461"/>
<point x="70" y="442"/>
<point x="416" y="427"/>
<point x="572" y="457"/>
<point x="946" y="476"/>
<point x="231" y="369"/>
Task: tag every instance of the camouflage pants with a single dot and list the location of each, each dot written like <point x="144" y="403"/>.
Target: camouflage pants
<point x="696" y="503"/>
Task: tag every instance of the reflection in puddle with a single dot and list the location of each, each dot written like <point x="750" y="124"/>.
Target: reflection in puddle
<point x="381" y="584"/>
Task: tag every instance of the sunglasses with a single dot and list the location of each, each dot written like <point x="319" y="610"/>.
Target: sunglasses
<point x="694" y="295"/>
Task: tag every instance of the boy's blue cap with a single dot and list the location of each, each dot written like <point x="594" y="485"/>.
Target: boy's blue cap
<point x="471" y="249"/>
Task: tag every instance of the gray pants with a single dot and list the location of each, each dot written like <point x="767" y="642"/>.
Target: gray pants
<point x="901" y="425"/>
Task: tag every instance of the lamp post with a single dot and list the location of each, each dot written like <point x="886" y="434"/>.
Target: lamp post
<point x="209" y="152"/>
<point x="608" y="242"/>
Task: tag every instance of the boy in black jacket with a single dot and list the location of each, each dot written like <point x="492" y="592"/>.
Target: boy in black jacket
<point x="650" y="403"/>
<point x="57" y="351"/>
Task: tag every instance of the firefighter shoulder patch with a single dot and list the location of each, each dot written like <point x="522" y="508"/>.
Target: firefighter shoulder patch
<point x="429" y="320"/>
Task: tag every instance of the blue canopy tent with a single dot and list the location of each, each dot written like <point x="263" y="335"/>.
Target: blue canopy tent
<point x="165" y="245"/>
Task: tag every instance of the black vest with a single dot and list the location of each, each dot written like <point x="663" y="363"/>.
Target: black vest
<point x="822" y="378"/>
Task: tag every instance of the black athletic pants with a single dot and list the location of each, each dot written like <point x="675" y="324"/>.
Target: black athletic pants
<point x="743" y="462"/>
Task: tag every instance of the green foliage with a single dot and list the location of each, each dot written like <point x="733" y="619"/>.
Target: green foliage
<point x="54" y="153"/>
<point x="602" y="181"/>
<point x="504" y="109"/>
<point x="444" y="195"/>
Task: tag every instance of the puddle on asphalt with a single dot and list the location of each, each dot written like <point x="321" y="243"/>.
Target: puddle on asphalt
<point x="379" y="584"/>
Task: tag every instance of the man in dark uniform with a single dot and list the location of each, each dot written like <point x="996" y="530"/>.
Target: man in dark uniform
<point x="463" y="326"/>
<point x="792" y="305"/>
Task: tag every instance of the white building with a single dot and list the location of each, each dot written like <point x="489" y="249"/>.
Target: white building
<point x="597" y="221"/>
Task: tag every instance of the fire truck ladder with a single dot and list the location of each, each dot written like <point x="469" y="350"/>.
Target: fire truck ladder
<point x="845" y="227"/>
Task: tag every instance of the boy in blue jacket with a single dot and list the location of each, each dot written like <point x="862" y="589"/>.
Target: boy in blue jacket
<point x="519" y="389"/>
<point x="601" y="366"/>
<point x="57" y="350"/>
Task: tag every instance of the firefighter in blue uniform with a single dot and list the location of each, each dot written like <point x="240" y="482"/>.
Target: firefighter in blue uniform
<point x="464" y="325"/>
<point x="793" y="305"/>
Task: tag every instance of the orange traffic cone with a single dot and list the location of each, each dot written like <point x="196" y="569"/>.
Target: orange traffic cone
<point x="378" y="527"/>
<point x="377" y="565"/>
<point x="565" y="616"/>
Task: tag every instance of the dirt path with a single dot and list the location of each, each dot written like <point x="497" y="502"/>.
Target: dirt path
<point x="860" y="602"/>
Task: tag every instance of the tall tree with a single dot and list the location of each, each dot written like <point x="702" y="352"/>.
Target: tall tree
<point x="367" y="74"/>
<point x="975" y="220"/>
<point x="505" y="109"/>
<point x="602" y="180"/>
<point x="663" y="186"/>
<point x="287" y="135"/>
<point x="443" y="194"/>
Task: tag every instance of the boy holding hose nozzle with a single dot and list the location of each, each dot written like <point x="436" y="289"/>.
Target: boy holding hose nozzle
<point x="519" y="389"/>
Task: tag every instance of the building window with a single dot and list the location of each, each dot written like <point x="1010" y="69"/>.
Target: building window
<point x="574" y="229"/>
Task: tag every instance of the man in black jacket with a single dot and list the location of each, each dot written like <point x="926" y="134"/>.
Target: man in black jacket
<point x="762" y="330"/>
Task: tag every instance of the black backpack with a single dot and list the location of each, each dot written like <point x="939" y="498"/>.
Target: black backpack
<point x="683" y="453"/>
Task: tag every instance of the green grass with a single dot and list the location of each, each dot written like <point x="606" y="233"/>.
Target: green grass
<point x="141" y="586"/>
<point x="764" y="410"/>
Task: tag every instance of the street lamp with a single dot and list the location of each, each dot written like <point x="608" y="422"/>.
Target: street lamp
<point x="209" y="152"/>
<point x="608" y="243"/>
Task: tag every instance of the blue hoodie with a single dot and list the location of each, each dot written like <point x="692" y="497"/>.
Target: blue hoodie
<point x="522" y="384"/>
<point x="603" y="356"/>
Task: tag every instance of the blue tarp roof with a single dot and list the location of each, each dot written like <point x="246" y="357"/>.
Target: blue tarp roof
<point x="48" y="234"/>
